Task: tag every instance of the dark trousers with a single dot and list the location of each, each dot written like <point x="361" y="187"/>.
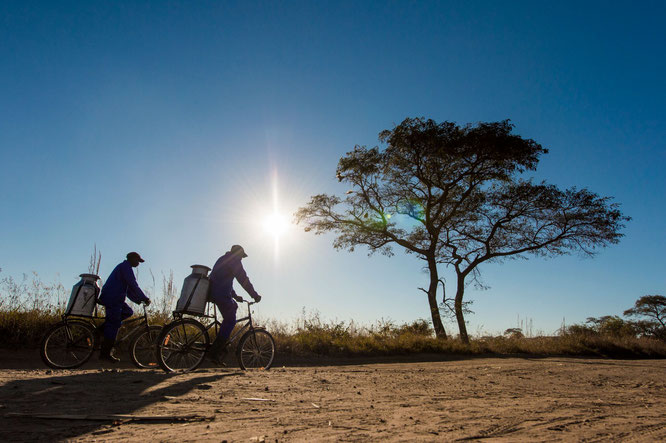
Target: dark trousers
<point x="115" y="314"/>
<point x="228" y="308"/>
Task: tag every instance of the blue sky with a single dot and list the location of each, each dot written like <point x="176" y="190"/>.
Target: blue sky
<point x="162" y="127"/>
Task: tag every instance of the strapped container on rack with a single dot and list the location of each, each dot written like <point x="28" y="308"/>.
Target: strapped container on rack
<point x="84" y="296"/>
<point x="194" y="295"/>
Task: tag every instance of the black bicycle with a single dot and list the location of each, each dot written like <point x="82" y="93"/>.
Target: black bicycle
<point x="183" y="343"/>
<point x="70" y="343"/>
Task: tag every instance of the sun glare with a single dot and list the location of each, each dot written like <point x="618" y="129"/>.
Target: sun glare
<point x="275" y="224"/>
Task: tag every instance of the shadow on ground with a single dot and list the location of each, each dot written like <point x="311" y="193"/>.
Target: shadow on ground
<point x="25" y="359"/>
<point x="29" y="359"/>
<point x="89" y="393"/>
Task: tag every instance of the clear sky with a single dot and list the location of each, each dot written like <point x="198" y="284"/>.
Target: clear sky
<point x="164" y="126"/>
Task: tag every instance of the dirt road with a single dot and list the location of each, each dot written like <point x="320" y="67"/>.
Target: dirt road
<point x="510" y="399"/>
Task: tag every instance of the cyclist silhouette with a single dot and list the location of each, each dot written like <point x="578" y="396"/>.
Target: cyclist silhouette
<point x="223" y="295"/>
<point x="120" y="284"/>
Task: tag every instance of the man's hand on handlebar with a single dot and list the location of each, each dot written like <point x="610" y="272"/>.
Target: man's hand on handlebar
<point x="240" y="299"/>
<point x="147" y="302"/>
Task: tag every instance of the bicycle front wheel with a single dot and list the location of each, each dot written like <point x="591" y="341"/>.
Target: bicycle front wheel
<point x="143" y="347"/>
<point x="182" y="345"/>
<point x="68" y="345"/>
<point x="256" y="350"/>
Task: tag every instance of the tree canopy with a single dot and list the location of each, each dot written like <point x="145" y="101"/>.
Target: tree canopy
<point x="463" y="192"/>
<point x="650" y="310"/>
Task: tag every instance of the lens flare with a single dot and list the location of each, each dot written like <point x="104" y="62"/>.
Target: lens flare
<point x="275" y="224"/>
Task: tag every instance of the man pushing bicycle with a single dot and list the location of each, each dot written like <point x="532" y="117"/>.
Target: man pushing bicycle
<point x="223" y="295"/>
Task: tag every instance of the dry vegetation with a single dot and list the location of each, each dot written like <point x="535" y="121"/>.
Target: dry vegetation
<point x="313" y="336"/>
<point x="28" y="307"/>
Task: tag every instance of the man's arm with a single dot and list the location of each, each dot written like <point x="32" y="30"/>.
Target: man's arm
<point x="235" y="296"/>
<point x="134" y="292"/>
<point x="244" y="280"/>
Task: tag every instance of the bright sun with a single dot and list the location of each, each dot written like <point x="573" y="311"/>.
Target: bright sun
<point x="275" y="224"/>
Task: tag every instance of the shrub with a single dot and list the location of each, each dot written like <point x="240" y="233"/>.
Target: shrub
<point x="514" y="333"/>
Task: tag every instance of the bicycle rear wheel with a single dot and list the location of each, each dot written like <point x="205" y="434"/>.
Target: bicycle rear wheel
<point x="182" y="345"/>
<point x="143" y="348"/>
<point x="256" y="350"/>
<point x="68" y="345"/>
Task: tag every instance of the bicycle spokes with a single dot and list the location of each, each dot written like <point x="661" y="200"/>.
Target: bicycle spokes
<point x="256" y="350"/>
<point x="182" y="345"/>
<point x="68" y="345"/>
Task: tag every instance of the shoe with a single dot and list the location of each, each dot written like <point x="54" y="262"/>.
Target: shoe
<point x="106" y="351"/>
<point x="109" y="358"/>
<point x="218" y="360"/>
<point x="218" y="352"/>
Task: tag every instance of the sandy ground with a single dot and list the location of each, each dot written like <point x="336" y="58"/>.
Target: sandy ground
<point x="503" y="399"/>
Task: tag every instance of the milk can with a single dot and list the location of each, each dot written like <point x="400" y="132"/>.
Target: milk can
<point x="194" y="295"/>
<point x="84" y="296"/>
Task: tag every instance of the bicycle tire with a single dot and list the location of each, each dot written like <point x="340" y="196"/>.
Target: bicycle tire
<point x="67" y="345"/>
<point x="176" y="352"/>
<point x="143" y="346"/>
<point x="256" y="350"/>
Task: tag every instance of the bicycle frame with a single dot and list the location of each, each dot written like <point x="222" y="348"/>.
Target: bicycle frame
<point x="90" y="320"/>
<point x="129" y="321"/>
<point x="244" y="327"/>
<point x="216" y="323"/>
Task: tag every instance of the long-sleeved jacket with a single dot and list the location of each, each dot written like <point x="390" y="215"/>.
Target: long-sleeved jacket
<point x="120" y="284"/>
<point x="222" y="277"/>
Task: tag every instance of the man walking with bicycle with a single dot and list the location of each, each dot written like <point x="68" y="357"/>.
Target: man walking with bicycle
<point x="120" y="284"/>
<point x="223" y="295"/>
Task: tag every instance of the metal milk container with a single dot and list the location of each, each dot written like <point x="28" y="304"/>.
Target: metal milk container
<point x="84" y="295"/>
<point x="194" y="295"/>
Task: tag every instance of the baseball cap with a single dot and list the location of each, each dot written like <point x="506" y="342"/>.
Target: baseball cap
<point x="135" y="255"/>
<point x="238" y="249"/>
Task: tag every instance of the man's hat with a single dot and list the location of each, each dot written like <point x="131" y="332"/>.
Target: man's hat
<point x="132" y="255"/>
<point x="238" y="250"/>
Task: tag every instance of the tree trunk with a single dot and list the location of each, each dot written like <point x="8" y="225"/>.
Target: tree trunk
<point x="460" y="291"/>
<point x="432" y="300"/>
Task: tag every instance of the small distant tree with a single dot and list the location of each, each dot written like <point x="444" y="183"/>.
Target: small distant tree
<point x="612" y="325"/>
<point x="514" y="333"/>
<point x="453" y="195"/>
<point x="417" y="327"/>
<point x="650" y="310"/>
<point x="578" y="329"/>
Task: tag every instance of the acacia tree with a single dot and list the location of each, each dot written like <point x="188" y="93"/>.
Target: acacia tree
<point x="652" y="307"/>
<point x="453" y="195"/>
